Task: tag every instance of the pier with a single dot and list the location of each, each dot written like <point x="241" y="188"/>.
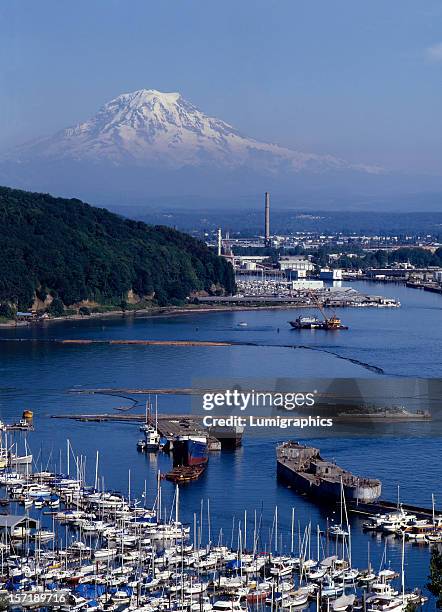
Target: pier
<point x="383" y="506"/>
<point x="169" y="426"/>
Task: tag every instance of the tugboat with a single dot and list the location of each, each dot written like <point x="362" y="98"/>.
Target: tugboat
<point x="334" y="323"/>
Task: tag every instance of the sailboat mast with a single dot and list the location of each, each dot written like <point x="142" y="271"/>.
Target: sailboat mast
<point x="349" y="545"/>
<point x="276" y="528"/>
<point x="292" y="534"/>
<point x="317" y="543"/>
<point x="177" y="501"/>
<point x="432" y="508"/>
<point x="403" y="567"/>
<point x="96" y="471"/>
<point x="245" y="530"/>
<point x="209" y="536"/>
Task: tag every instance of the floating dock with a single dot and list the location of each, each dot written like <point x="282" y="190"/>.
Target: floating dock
<point x="123" y="342"/>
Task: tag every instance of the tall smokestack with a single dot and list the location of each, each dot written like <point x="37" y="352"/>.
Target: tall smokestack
<point x="220" y="242"/>
<point x="267" y="219"/>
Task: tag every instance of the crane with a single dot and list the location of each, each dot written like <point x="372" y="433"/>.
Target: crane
<point x="332" y="322"/>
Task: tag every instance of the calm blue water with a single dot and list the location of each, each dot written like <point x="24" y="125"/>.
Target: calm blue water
<point x="402" y="342"/>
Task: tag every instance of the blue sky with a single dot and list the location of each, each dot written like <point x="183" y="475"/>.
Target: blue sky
<point x="362" y="80"/>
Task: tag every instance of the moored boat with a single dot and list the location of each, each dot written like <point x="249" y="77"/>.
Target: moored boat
<point x="190" y="451"/>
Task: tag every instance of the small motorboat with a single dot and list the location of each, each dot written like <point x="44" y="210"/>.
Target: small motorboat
<point x="434" y="537"/>
<point x="337" y="530"/>
<point x="27" y="501"/>
<point x="54" y="501"/>
<point x="44" y="535"/>
<point x="141" y="445"/>
<point x="342" y="603"/>
<point x="39" y="502"/>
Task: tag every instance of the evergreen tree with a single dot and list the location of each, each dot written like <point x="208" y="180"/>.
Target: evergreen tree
<point x="435" y="578"/>
<point x="77" y="252"/>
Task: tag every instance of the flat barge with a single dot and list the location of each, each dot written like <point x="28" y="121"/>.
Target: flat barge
<point x="307" y="472"/>
<point x="185" y="473"/>
<point x="387" y="415"/>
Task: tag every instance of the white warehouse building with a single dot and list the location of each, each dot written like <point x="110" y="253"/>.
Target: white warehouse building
<point x="295" y="262"/>
<point x="306" y="284"/>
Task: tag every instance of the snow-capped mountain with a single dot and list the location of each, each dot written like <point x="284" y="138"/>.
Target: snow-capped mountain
<point x="148" y="128"/>
<point x="149" y="146"/>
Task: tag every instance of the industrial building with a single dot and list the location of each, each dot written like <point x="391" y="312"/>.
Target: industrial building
<point x="297" y="274"/>
<point x="330" y="275"/>
<point x="249" y="262"/>
<point x="295" y="263"/>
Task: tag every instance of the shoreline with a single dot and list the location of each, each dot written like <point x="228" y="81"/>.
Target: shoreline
<point x="161" y="311"/>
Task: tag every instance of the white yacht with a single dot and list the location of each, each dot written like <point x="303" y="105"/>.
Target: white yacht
<point x="152" y="439"/>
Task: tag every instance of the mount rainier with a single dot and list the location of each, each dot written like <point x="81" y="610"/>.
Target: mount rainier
<point x="160" y="142"/>
<point x="148" y="126"/>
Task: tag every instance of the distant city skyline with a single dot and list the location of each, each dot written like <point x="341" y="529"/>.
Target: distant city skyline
<point x="359" y="81"/>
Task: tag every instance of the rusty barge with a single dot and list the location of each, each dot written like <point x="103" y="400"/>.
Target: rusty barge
<point x="306" y="471"/>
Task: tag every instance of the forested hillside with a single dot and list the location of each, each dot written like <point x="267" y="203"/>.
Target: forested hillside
<point x="74" y="252"/>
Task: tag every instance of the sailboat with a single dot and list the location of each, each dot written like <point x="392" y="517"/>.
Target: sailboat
<point x="8" y="458"/>
<point x="338" y="530"/>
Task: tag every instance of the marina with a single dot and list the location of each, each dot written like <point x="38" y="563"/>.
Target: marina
<point x="301" y="293"/>
<point x="104" y="551"/>
<point x="68" y="378"/>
